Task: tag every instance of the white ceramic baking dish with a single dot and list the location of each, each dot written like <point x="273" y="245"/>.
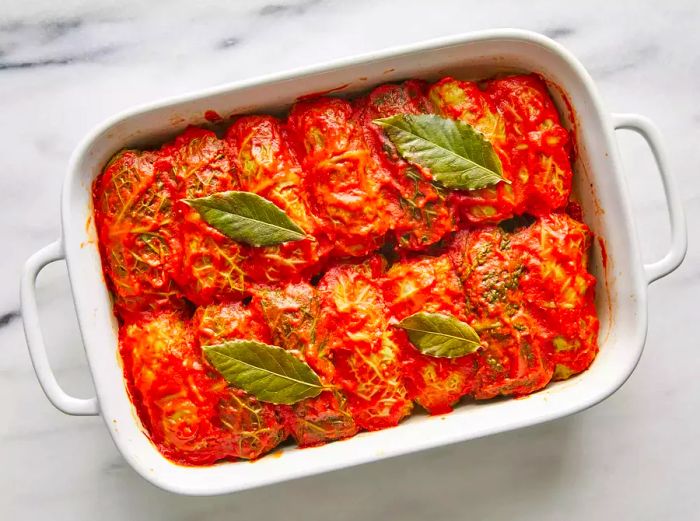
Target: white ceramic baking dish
<point x="599" y="185"/>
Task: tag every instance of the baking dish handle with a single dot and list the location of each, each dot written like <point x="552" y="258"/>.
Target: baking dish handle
<point x="35" y="340"/>
<point x="679" y="233"/>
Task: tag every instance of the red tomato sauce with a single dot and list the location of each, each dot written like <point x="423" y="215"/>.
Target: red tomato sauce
<point x="344" y="182"/>
<point x="212" y="116"/>
<point x="382" y="242"/>
<point x="429" y="284"/>
<point x="265" y="165"/>
<point x="421" y="217"/>
<point x="520" y="120"/>
<point x="321" y="93"/>
<point x="603" y="252"/>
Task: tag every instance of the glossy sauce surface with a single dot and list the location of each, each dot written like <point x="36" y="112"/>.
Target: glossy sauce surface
<point x="382" y="242"/>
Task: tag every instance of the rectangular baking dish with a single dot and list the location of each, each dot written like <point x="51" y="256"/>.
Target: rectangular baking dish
<point x="599" y="186"/>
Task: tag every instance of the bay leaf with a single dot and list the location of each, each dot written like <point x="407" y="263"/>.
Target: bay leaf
<point x="456" y="155"/>
<point x="269" y="373"/>
<point x="246" y="217"/>
<point x="439" y="335"/>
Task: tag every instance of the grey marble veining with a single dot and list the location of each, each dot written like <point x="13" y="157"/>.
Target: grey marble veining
<point x="66" y="66"/>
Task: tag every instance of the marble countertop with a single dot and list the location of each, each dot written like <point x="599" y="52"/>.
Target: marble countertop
<point x="66" y="66"/>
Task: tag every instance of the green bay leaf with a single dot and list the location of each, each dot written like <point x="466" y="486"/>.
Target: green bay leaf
<point x="269" y="373"/>
<point x="441" y="336"/>
<point x="246" y="217"/>
<point x="457" y="155"/>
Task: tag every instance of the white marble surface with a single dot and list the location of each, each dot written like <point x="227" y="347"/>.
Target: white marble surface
<point x="65" y="66"/>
